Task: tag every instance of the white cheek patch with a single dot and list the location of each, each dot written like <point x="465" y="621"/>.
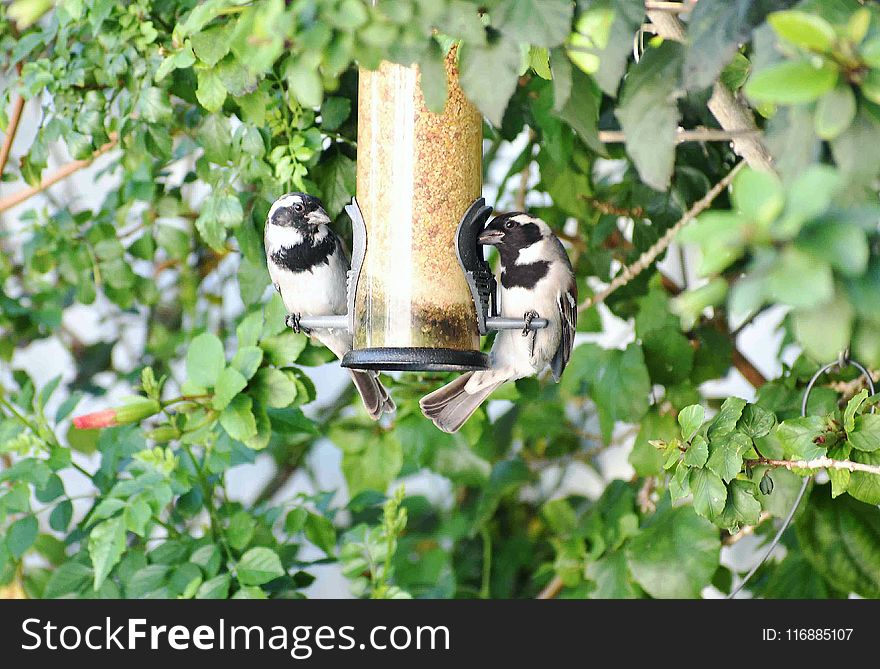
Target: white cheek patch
<point x="282" y="237"/>
<point x="532" y="253"/>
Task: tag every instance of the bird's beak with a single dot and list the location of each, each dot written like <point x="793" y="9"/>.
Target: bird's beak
<point x="490" y="237"/>
<point x="318" y="217"/>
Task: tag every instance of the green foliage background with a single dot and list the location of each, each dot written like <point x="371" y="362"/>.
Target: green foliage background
<point x="246" y="100"/>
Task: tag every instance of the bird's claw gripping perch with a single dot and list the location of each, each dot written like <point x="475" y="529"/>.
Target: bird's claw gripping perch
<point x="528" y="317"/>
<point x="292" y="321"/>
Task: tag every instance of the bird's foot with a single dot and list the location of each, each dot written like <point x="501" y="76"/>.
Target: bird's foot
<point x="529" y="316"/>
<point x="292" y="321"/>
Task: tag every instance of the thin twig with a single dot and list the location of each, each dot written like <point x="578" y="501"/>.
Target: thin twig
<point x="817" y="463"/>
<point x="15" y="199"/>
<point x="14" y="119"/>
<point x="551" y="589"/>
<point x="649" y="256"/>
<point x="682" y="135"/>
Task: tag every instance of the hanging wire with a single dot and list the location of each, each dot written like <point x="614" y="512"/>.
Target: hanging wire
<point x="842" y="362"/>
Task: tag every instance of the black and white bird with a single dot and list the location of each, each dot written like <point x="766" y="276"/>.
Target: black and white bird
<point x="536" y="280"/>
<point x="308" y="266"/>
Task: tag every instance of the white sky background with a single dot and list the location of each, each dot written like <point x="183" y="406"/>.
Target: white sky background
<point x="46" y="358"/>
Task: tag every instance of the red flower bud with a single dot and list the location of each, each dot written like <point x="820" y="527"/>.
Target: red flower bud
<point x="134" y="410"/>
<point x="91" y="421"/>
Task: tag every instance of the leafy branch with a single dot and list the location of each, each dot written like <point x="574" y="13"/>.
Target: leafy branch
<point x="816" y="463"/>
<point x="644" y="261"/>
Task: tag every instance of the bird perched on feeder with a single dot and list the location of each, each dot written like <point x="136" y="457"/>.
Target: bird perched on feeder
<point x="308" y="266"/>
<point x="536" y="280"/>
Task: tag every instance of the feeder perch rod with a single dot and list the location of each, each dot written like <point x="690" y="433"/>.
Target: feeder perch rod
<point x="324" y="322"/>
<point x="498" y="323"/>
<point x="340" y="322"/>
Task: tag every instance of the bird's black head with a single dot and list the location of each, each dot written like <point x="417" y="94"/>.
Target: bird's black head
<point x="300" y="211"/>
<point x="512" y="232"/>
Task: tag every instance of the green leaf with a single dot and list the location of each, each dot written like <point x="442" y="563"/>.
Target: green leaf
<point x="617" y="381"/>
<point x="258" y="566"/>
<point x="215" y="588"/>
<point x="709" y="492"/>
<point x="758" y="195"/>
<point x="839" y="477"/>
<point x="433" y="80"/>
<point x="726" y="454"/>
<point x="612" y="578"/>
<point x="715" y="31"/>
<point x="283" y="349"/>
<point x="238" y="418"/>
<point x="273" y="388"/>
<point x="229" y="384"/>
<point x="840" y="540"/>
<point x="862" y="485"/>
<point x="304" y="83"/>
<point x="835" y="112"/>
<point x="153" y="105"/>
<point x="69" y="579"/>
<point x="649" y="116"/>
<point x="803" y="29"/>
<point x="792" y="82"/>
<point x="496" y="62"/>
<point x="211" y="45"/>
<point x="797" y="437"/>
<point x="21" y="535"/>
<point x="690" y="419"/>
<point x="676" y="555"/>
<point x="59" y="519"/>
<point x="539" y="22"/>
<point x="336" y="178"/>
<point x="215" y="137"/>
<point x="228" y="211"/>
<point x="205" y="360"/>
<point x="374" y="467"/>
<point x="669" y="355"/>
<point x="727" y="417"/>
<point x="247" y="360"/>
<point x="241" y="530"/>
<point x="644" y="457"/>
<point x="106" y="543"/>
<point x="321" y="532"/>
<point x="741" y="508"/>
<point x="825" y="330"/>
<point x="865" y="434"/>
<point x="211" y="93"/>
<point x="697" y="453"/>
<point x="334" y="112"/>
<point x="756" y="422"/>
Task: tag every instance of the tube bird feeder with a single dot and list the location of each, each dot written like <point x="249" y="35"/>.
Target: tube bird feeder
<point x="420" y="293"/>
<point x="418" y="172"/>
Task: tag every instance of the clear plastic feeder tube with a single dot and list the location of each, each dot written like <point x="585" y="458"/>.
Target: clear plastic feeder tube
<point x="418" y="172"/>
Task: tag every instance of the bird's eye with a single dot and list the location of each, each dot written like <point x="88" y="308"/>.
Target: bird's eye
<point x="509" y="225"/>
<point x="298" y="208"/>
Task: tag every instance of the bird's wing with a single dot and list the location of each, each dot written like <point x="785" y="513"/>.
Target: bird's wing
<point x="567" y="304"/>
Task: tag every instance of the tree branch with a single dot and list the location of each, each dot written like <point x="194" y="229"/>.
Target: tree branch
<point x="14" y="119"/>
<point x="731" y="114"/>
<point x="817" y="463"/>
<point x="551" y="589"/>
<point x="682" y="135"/>
<point x="15" y="199"/>
<point x="649" y="256"/>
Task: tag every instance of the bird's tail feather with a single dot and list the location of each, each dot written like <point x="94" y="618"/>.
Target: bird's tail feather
<point x="373" y="394"/>
<point x="449" y="407"/>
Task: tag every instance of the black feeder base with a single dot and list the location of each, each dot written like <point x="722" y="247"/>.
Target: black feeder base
<point x="412" y="359"/>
